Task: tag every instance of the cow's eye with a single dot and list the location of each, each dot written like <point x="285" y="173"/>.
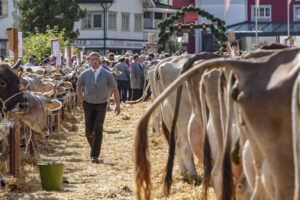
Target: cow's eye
<point x="3" y="84"/>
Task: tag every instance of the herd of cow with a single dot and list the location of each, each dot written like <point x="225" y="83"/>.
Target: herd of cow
<point x="238" y="116"/>
<point x="37" y="94"/>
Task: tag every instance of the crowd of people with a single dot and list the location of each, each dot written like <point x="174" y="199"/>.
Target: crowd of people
<point x="133" y="78"/>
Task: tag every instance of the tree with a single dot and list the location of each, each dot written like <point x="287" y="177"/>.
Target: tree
<point x="38" y="43"/>
<point x="42" y="13"/>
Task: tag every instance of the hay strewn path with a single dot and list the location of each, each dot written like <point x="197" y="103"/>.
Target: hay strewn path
<point x="112" y="179"/>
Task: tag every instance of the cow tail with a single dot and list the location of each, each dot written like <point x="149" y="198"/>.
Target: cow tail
<point x="169" y="167"/>
<point x="228" y="187"/>
<point x="206" y="146"/>
<point x="165" y="131"/>
<point x="296" y="138"/>
<point x="142" y="164"/>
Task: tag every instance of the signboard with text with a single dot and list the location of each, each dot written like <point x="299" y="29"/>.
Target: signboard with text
<point x="110" y="44"/>
<point x="191" y="17"/>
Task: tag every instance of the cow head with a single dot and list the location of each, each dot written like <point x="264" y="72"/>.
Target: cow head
<point x="10" y="94"/>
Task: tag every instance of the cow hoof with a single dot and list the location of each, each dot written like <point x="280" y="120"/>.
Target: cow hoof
<point x="3" y="182"/>
<point x="193" y="179"/>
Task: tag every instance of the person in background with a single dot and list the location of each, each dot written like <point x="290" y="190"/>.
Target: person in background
<point x="129" y="85"/>
<point x="35" y="62"/>
<point x="150" y="58"/>
<point x="127" y="62"/>
<point x="123" y="79"/>
<point x="127" y="55"/>
<point x="141" y="62"/>
<point x="53" y="60"/>
<point x="95" y="81"/>
<point x="136" y="75"/>
<point x="166" y="55"/>
<point x="105" y="65"/>
<point x="131" y="59"/>
<point x="30" y="62"/>
<point x="111" y="59"/>
<point x="45" y="62"/>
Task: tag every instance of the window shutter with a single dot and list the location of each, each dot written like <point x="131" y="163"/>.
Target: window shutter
<point x="4" y="7"/>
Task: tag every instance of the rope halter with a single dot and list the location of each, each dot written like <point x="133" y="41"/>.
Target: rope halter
<point x="8" y="99"/>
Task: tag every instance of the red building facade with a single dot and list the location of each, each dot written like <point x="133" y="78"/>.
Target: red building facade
<point x="278" y="10"/>
<point x="180" y="4"/>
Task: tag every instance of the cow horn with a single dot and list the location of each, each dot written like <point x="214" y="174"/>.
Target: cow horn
<point x="17" y="65"/>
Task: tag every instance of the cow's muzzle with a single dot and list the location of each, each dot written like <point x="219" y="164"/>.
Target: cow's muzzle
<point x="20" y="107"/>
<point x="3" y="182"/>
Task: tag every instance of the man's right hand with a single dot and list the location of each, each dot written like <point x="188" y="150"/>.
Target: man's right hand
<point x="134" y="80"/>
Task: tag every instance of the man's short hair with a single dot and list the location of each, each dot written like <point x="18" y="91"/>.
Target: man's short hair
<point x="122" y="59"/>
<point x="104" y="61"/>
<point x="135" y="56"/>
<point x="94" y="54"/>
<point x="151" y="55"/>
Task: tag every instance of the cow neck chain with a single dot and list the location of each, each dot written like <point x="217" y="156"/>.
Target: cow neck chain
<point x="4" y="103"/>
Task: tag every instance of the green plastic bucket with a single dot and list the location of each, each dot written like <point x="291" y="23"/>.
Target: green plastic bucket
<point x="51" y="175"/>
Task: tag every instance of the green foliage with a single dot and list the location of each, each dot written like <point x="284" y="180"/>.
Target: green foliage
<point x="40" y="13"/>
<point x="167" y="27"/>
<point x="39" y="44"/>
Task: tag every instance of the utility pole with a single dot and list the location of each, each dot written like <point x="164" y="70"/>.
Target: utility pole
<point x="16" y="13"/>
<point x="288" y="17"/>
<point x="105" y="6"/>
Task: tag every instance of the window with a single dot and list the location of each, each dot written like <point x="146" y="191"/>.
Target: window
<point x="138" y="23"/>
<point x="0" y="8"/>
<point x="296" y="12"/>
<point x="97" y="21"/>
<point x="125" y="21"/>
<point x="158" y="18"/>
<point x="112" y="21"/>
<point x="92" y="21"/>
<point x="264" y="13"/>
<point x="3" y="8"/>
<point x="87" y="21"/>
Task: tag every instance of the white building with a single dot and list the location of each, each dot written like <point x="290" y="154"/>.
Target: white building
<point x="6" y="21"/>
<point x="128" y="24"/>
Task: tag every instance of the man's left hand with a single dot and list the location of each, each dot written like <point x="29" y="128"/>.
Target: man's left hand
<point x="117" y="110"/>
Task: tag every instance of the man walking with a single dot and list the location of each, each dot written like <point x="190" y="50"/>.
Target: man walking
<point x="123" y="79"/>
<point x="136" y="75"/>
<point x="96" y="82"/>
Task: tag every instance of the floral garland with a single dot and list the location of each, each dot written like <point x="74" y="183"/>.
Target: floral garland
<point x="167" y="28"/>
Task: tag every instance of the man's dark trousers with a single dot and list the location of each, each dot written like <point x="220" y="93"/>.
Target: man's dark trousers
<point x="94" y="119"/>
<point x="136" y="94"/>
<point x="123" y="87"/>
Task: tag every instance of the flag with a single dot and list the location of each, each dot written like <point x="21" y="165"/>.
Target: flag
<point x="289" y="1"/>
<point x="227" y="5"/>
<point x="257" y="4"/>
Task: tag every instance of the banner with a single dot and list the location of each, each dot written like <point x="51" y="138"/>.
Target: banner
<point x="20" y="52"/>
<point x="58" y="58"/>
<point x="227" y="5"/>
<point x="191" y="17"/>
<point x="66" y="56"/>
